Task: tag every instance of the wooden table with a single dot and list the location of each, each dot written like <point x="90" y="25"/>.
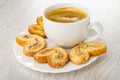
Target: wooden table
<point x="17" y="15"/>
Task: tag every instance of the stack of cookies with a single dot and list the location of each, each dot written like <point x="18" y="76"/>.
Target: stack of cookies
<point x="34" y="45"/>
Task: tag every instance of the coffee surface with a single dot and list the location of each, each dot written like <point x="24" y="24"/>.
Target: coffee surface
<point x="66" y="15"/>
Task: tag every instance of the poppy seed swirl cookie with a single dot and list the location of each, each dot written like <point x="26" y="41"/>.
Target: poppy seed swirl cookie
<point x="56" y="57"/>
<point x="34" y="46"/>
<point x="78" y="55"/>
<point x="94" y="48"/>
<point x="23" y="39"/>
<point x="37" y="29"/>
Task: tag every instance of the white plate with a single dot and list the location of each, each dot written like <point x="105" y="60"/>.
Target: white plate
<point x="29" y="62"/>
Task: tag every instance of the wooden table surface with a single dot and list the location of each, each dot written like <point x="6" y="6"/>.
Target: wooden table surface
<point x="17" y="15"/>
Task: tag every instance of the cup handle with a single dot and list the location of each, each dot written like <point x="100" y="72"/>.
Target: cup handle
<point x="98" y="28"/>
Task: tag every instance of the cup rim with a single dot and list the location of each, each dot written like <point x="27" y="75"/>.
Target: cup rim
<point x="72" y="4"/>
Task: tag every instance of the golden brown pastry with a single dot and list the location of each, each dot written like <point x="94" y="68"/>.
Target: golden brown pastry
<point x="78" y="55"/>
<point x="41" y="56"/>
<point x="37" y="29"/>
<point x="55" y="56"/>
<point x="94" y="48"/>
<point x="39" y="20"/>
<point x="58" y="58"/>
<point x="23" y="39"/>
<point x="34" y="46"/>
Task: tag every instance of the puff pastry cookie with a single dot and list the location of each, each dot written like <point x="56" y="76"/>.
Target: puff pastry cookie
<point x="55" y="56"/>
<point x="39" y="20"/>
<point x="34" y="46"/>
<point x="37" y="29"/>
<point x="94" y="48"/>
<point x="58" y="58"/>
<point x="78" y="55"/>
<point x="41" y="56"/>
<point x="23" y="39"/>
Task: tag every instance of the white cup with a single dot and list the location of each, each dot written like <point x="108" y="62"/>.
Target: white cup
<point x="69" y="34"/>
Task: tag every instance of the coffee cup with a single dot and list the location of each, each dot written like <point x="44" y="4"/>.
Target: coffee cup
<point x="70" y="34"/>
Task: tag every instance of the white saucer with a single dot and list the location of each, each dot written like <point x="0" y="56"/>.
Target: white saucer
<point x="29" y="62"/>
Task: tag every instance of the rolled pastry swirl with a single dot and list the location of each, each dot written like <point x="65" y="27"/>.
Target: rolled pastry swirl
<point x="78" y="55"/>
<point x="95" y="48"/>
<point x="34" y="46"/>
<point x="37" y="29"/>
<point x="39" y="21"/>
<point x="23" y="39"/>
<point x="55" y="56"/>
